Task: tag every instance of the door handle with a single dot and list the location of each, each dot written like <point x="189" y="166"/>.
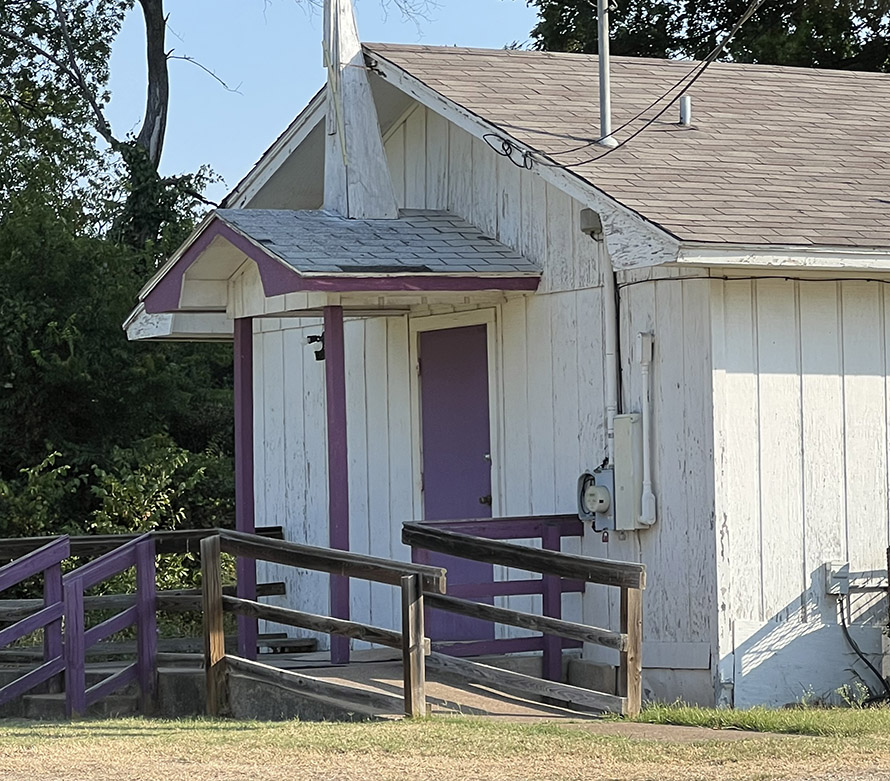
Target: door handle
<point x="485" y="500"/>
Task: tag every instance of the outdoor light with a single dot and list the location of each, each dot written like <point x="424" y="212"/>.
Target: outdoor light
<point x="317" y="339"/>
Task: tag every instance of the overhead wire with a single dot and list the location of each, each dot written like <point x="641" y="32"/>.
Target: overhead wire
<point x="506" y="147"/>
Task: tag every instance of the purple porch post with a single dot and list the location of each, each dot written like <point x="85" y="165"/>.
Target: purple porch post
<point x="552" y="604"/>
<point x="338" y="467"/>
<point x="245" y="569"/>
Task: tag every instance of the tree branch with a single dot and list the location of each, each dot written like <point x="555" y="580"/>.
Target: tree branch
<point x="193" y="61"/>
<point x="74" y="72"/>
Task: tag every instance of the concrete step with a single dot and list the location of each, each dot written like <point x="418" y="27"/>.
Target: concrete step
<point x="51" y="707"/>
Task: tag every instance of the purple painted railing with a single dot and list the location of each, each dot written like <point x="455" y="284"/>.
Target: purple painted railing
<point x="550" y="529"/>
<point x="139" y="553"/>
<point x="47" y="560"/>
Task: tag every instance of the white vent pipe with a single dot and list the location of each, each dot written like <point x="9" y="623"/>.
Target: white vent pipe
<point x="602" y="17"/>
<point x="685" y="110"/>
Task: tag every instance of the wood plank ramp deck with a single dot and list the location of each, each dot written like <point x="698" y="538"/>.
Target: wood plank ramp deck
<point x="379" y="673"/>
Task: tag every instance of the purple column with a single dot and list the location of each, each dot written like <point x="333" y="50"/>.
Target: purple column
<point x="552" y="662"/>
<point x="338" y="467"/>
<point x="245" y="569"/>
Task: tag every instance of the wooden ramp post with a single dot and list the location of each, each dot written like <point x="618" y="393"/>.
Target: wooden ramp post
<point x="214" y="636"/>
<point x="630" y="672"/>
<point x="413" y="662"/>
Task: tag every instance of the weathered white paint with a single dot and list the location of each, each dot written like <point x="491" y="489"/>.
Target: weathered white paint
<point x="547" y="387"/>
<point x="769" y="438"/>
<point x="789" y="259"/>
<point x="357" y="182"/>
<point x="188" y="326"/>
<point x="634" y="240"/>
<point x="801" y="437"/>
<point x="435" y="164"/>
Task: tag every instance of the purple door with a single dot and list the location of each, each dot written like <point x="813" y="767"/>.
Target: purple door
<point x="456" y="461"/>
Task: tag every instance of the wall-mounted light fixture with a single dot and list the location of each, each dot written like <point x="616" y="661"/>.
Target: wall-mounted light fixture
<point x="592" y="224"/>
<point x="319" y="340"/>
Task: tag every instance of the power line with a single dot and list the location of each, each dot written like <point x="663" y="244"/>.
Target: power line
<point x="506" y="147"/>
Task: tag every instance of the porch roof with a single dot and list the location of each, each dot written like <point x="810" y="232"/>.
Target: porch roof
<point x="419" y="242"/>
<point x="322" y="252"/>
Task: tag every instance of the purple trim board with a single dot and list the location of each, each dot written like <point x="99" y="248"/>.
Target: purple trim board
<point x="245" y="569"/>
<point x="278" y="278"/>
<point x="338" y="467"/>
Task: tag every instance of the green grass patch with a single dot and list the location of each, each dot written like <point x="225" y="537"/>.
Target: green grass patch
<point x="822" y="722"/>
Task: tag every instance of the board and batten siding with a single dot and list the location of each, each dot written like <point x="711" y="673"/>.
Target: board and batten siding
<point x="549" y="391"/>
<point x="801" y="434"/>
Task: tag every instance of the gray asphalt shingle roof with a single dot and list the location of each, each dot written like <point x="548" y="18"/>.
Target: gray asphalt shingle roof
<point x="419" y="242"/>
<point x="775" y="155"/>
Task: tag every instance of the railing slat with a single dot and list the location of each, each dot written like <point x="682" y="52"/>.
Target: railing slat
<point x="498" y="678"/>
<point x="567" y="565"/>
<point x="174" y="601"/>
<point x="108" y="627"/>
<point x="551" y="626"/>
<point x="508" y="588"/>
<point x="297" y="682"/>
<point x="31" y="679"/>
<point x="326" y="624"/>
<point x="31" y="624"/>
<point x="354" y="565"/>
<point x="34" y="563"/>
<point x="105" y="566"/>
<point x="110" y="684"/>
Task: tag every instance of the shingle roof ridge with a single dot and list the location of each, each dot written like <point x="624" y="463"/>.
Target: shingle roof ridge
<point x="621" y="59"/>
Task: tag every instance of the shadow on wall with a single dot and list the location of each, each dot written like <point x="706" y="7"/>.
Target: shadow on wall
<point x="802" y="656"/>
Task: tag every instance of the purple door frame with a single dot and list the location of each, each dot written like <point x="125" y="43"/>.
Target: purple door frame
<point x="245" y="520"/>
<point x="456" y="463"/>
<point x="338" y="467"/>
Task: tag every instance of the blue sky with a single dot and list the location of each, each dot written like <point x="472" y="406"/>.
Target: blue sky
<point x="270" y="51"/>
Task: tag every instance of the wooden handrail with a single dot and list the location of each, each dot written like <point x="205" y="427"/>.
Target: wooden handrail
<point x="624" y="574"/>
<point x="552" y="626"/>
<point x="336" y="562"/>
<point x="174" y="601"/>
<point x="89" y="545"/>
<point x="48" y="560"/>
<point x="326" y="624"/>
<point x="412" y="579"/>
<point x="36" y="561"/>
<point x="140" y="553"/>
<point x="459" y="538"/>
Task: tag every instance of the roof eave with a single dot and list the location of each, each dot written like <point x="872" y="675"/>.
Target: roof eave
<point x="784" y="256"/>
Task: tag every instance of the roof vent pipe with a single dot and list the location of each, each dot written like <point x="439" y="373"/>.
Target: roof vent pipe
<point x="602" y="15"/>
<point x="685" y="110"/>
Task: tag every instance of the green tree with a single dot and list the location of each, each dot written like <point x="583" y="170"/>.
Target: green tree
<point x="845" y="34"/>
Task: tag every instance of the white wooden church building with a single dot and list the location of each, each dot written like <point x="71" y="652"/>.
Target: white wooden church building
<point x="506" y="306"/>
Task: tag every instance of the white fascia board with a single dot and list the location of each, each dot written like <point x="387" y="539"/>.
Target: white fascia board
<point x="788" y="258"/>
<point x="273" y="158"/>
<point x="186" y="326"/>
<point x="632" y="240"/>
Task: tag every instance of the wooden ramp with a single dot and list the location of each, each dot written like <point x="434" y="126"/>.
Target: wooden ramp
<point x="377" y="675"/>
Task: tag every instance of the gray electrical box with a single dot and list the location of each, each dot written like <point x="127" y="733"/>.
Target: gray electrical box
<point x="628" y="491"/>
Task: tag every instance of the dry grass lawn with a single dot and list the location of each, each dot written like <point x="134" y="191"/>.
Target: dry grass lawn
<point x="138" y="750"/>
